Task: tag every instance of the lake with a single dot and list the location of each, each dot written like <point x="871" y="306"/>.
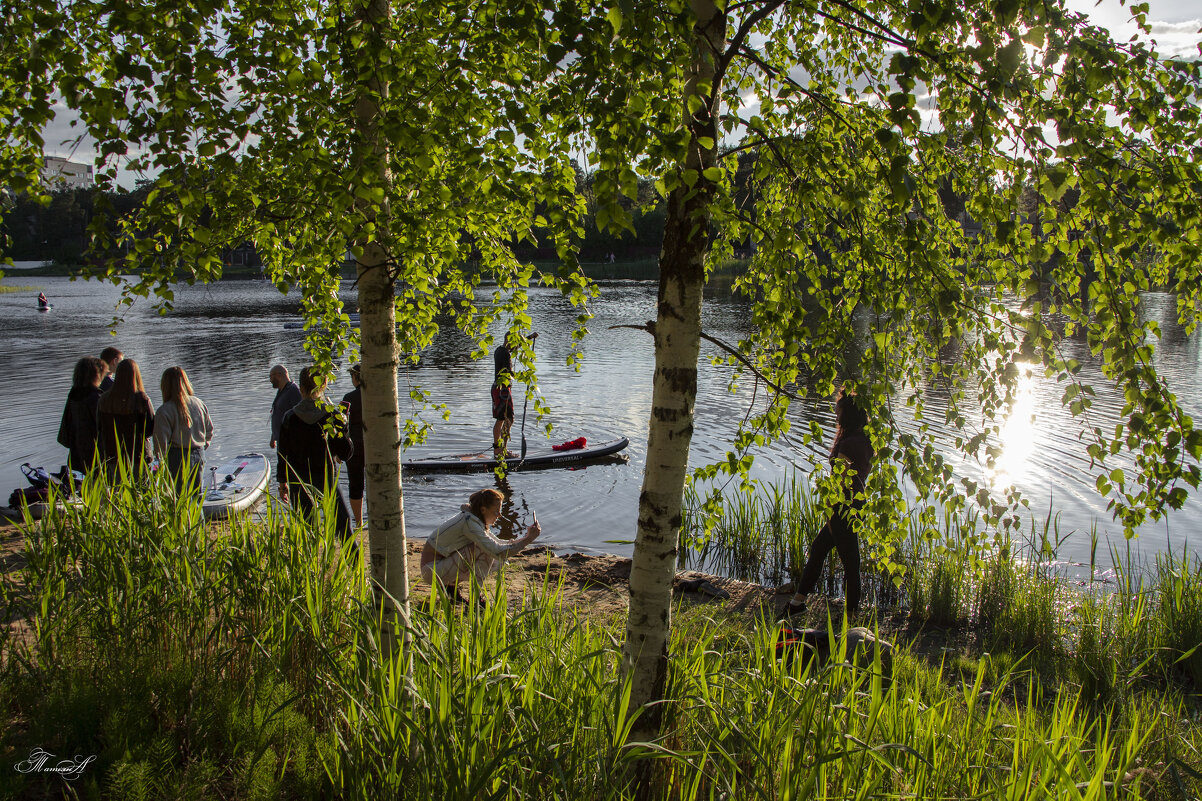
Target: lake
<point x="228" y="335"/>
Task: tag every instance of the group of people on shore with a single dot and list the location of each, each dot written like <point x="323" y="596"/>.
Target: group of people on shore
<point x="310" y="447"/>
<point x="109" y="419"/>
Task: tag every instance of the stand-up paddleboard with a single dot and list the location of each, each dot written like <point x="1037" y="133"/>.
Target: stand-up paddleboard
<point x="39" y="509"/>
<point x="535" y="459"/>
<point x="236" y="485"/>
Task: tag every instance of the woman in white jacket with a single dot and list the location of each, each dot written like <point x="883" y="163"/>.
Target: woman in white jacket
<point x="464" y="548"/>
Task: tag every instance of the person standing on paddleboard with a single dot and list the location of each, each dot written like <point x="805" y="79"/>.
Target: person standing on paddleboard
<point x="464" y="548"/>
<point x="502" y="394"/>
<point x="287" y="395"/>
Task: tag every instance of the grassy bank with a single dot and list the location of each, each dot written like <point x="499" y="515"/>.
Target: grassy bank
<point x="1143" y="625"/>
<point x="243" y="662"/>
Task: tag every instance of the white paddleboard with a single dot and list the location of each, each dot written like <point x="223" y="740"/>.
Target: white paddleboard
<point x="236" y="485"/>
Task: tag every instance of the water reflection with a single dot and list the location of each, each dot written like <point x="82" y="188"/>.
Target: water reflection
<point x="1016" y="436"/>
<point x="227" y="337"/>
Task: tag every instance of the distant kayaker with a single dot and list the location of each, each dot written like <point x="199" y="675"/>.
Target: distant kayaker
<point x="464" y="548"/>
<point x="43" y="303"/>
<point x="287" y="395"/>
<point x="502" y="394"/>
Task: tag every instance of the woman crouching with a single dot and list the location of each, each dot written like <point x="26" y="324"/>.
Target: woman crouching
<point x="464" y="548"/>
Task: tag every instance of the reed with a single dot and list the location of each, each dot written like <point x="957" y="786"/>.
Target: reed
<point x="761" y="537"/>
<point x="1177" y="584"/>
<point x="242" y="662"/>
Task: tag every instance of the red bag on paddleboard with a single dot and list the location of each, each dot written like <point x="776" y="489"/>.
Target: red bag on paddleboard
<point x="571" y="445"/>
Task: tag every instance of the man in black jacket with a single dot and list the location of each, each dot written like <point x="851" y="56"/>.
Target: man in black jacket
<point x="287" y="395"/>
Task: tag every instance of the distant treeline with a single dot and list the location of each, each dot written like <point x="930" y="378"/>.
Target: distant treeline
<point x="58" y="231"/>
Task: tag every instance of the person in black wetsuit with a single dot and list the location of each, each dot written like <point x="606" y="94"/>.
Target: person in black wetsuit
<point x="77" y="429"/>
<point x="308" y="458"/>
<point x="502" y="394"/>
<point x="853" y="447"/>
<point x="353" y="402"/>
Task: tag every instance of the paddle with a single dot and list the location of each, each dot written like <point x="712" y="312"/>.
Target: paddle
<point x="524" y="405"/>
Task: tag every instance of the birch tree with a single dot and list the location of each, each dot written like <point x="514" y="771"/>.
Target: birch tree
<point x="855" y="117"/>
<point x="404" y="130"/>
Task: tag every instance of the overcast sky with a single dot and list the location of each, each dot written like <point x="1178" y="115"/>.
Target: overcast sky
<point x="1174" y="27"/>
<point x="1174" y="23"/>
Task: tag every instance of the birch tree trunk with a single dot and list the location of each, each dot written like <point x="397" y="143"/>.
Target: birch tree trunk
<point x="378" y="372"/>
<point x="677" y="332"/>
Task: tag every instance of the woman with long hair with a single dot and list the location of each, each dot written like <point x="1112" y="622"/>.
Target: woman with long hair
<point x="182" y="428"/>
<point x="77" y="429"/>
<point x="464" y="548"/>
<point x="853" y="447"/>
<point x="308" y="456"/>
<point x="126" y="419"/>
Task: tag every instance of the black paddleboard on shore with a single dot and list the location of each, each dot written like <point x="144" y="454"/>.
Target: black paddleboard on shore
<point x="537" y="459"/>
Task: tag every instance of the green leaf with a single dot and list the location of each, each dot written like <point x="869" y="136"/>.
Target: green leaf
<point x="614" y="15"/>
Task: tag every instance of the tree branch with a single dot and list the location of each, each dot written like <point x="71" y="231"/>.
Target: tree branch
<point x="649" y="327"/>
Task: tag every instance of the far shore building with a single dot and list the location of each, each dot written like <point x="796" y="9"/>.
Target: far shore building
<point x="59" y="173"/>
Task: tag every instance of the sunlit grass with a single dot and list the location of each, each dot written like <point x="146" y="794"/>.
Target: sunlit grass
<point x="243" y="661"/>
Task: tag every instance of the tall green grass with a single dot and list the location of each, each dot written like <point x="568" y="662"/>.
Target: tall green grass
<point x="1008" y="587"/>
<point x="756" y="537"/>
<point x="242" y="661"/>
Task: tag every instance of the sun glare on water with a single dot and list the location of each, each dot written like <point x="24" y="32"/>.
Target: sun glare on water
<point x="1016" y="437"/>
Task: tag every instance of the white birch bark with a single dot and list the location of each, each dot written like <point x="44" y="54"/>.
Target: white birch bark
<point x="677" y="332"/>
<point x="378" y="372"/>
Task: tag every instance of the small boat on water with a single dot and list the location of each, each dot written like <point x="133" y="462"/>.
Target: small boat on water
<point x="535" y="460"/>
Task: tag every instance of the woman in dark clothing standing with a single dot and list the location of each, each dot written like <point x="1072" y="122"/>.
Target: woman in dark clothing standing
<point x="126" y="420"/>
<point x="306" y="464"/>
<point x="77" y="431"/>
<point x="853" y="447"/>
<point x="353" y="401"/>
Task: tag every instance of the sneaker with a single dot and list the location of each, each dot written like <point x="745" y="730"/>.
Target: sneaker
<point x="793" y="608"/>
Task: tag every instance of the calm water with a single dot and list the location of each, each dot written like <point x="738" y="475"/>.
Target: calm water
<point x="227" y="337"/>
